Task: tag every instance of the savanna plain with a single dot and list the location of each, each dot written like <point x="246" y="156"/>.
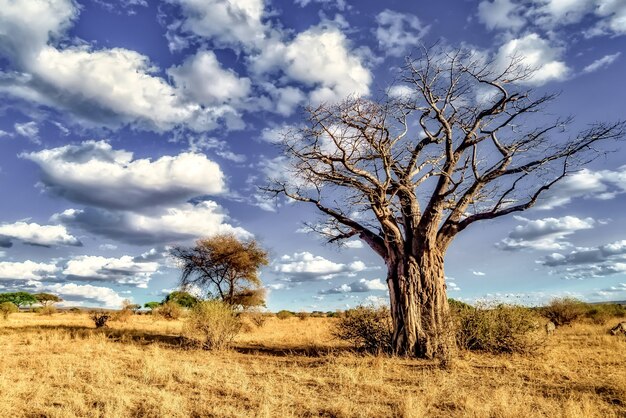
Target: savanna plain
<point x="61" y="366"/>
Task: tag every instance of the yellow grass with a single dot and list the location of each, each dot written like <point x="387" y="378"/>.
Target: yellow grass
<point x="59" y="366"/>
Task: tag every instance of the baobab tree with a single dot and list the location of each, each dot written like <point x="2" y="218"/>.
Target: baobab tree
<point x="406" y="173"/>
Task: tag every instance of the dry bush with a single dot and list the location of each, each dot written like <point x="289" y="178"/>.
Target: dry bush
<point x="122" y="315"/>
<point x="256" y="317"/>
<point x="367" y="328"/>
<point x="601" y="314"/>
<point x="47" y="310"/>
<point x="498" y="329"/>
<point x="168" y="310"/>
<point x="100" y="318"/>
<point x="6" y="309"/>
<point x="564" y="311"/>
<point x="284" y="314"/>
<point x="303" y="316"/>
<point x="212" y="324"/>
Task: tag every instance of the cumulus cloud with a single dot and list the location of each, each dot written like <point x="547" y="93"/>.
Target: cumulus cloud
<point x="164" y="225"/>
<point x="80" y="293"/>
<point x="589" y="184"/>
<point x="35" y="234"/>
<point x="544" y="234"/>
<point x="359" y="286"/>
<point x="398" y="32"/>
<point x="94" y="173"/>
<point x="587" y="262"/>
<point x="601" y="63"/>
<point x="225" y="87"/>
<point x="355" y="243"/>
<point x="304" y="266"/>
<point x="501" y="14"/>
<point x="536" y="54"/>
<point x="27" y="270"/>
<point x="123" y="270"/>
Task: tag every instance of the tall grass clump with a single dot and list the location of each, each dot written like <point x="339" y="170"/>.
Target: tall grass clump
<point x="498" y="329"/>
<point x="6" y="309"/>
<point x="169" y="310"/>
<point x="47" y="310"/>
<point x="367" y="328"/>
<point x="564" y="311"/>
<point x="212" y="324"/>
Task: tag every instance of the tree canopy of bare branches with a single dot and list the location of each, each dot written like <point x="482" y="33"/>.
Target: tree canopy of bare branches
<point x="226" y="267"/>
<point x="460" y="140"/>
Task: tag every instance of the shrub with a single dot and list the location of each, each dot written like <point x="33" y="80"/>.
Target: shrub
<point x="303" y="316"/>
<point x="212" y="324"/>
<point x="169" y="311"/>
<point x="7" y="308"/>
<point x="257" y="318"/>
<point x="100" y="319"/>
<point x="75" y="310"/>
<point x="367" y="328"/>
<point x="122" y="315"/>
<point x="601" y="314"/>
<point x="564" y="311"/>
<point x="284" y="314"/>
<point x="47" y="310"/>
<point x="499" y="329"/>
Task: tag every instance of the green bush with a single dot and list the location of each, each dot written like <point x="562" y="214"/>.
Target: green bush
<point x="284" y="314"/>
<point x="499" y="329"/>
<point x="367" y="328"/>
<point x="564" y="311"/>
<point x="169" y="311"/>
<point x="601" y="314"/>
<point x="6" y="309"/>
<point x="212" y="324"/>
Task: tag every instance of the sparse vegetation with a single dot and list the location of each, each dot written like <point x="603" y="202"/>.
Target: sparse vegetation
<point x="564" y="311"/>
<point x="6" y="309"/>
<point x="284" y="314"/>
<point x="169" y="310"/>
<point x="498" y="329"/>
<point x="367" y="328"/>
<point x="47" y="310"/>
<point x="212" y="324"/>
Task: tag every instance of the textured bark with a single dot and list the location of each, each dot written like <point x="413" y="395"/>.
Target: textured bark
<point x="419" y="306"/>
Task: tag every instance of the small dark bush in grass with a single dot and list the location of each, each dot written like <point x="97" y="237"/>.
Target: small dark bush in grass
<point x="212" y="324"/>
<point x="168" y="310"/>
<point x="498" y="329"/>
<point x="367" y="328"/>
<point x="100" y="319"/>
<point x="75" y="310"/>
<point x="284" y="314"/>
<point x="6" y="309"/>
<point x="564" y="311"/>
<point x="303" y="316"/>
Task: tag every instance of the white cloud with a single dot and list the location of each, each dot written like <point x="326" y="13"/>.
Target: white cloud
<point x="478" y="273"/>
<point x="359" y="286"/>
<point x="28" y="130"/>
<point x="397" y="32"/>
<point x="305" y="266"/>
<point x="72" y="292"/>
<point x="35" y="234"/>
<point x="589" y="262"/>
<point x="500" y="14"/>
<point x="601" y="63"/>
<point x="202" y="79"/>
<point x="163" y="225"/>
<point x="232" y="23"/>
<point x="536" y="54"/>
<point x="96" y="174"/>
<point x="27" y="270"/>
<point x="355" y="243"/>
<point x="613" y="14"/>
<point x="544" y="234"/>
<point x="123" y="270"/>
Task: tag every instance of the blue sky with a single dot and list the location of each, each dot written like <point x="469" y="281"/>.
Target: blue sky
<point x="127" y="126"/>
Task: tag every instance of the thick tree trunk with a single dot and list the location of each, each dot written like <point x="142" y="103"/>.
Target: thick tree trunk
<point x="419" y="306"/>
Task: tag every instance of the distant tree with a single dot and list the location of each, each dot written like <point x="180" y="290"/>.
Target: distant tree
<point x="407" y="173"/>
<point x="19" y="299"/>
<point x="226" y="267"/>
<point x="182" y="298"/>
<point x="129" y="306"/>
<point x="47" y="299"/>
<point x="151" y="305"/>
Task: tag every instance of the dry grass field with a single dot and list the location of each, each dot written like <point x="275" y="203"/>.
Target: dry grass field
<point x="60" y="366"/>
